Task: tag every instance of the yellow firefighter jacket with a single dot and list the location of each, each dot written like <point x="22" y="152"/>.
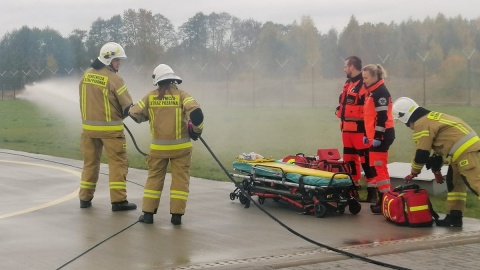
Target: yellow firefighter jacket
<point x="168" y="116"/>
<point x="446" y="135"/>
<point x="103" y="100"/>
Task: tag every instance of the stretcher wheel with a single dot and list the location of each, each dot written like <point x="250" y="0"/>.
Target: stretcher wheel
<point x="243" y="199"/>
<point x="261" y="200"/>
<point x="354" y="207"/>
<point x="320" y="210"/>
<point x="232" y="196"/>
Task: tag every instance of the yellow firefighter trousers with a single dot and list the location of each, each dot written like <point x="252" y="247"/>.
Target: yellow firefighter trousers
<point x="115" y="148"/>
<point x="467" y="165"/>
<point x="179" y="188"/>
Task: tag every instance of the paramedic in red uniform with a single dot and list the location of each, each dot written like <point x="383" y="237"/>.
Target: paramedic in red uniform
<point x="175" y="118"/>
<point x="104" y="103"/>
<point x="378" y="127"/>
<point x="350" y="112"/>
<point x="452" y="138"/>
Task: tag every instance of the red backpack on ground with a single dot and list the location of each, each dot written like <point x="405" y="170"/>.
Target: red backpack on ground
<point x="408" y="206"/>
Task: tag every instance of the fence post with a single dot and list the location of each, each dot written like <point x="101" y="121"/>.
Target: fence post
<point x="469" y="56"/>
<point x="424" y="78"/>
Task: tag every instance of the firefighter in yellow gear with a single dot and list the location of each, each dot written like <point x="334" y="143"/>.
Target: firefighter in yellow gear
<point x="104" y="103"/>
<point x="175" y="118"/>
<point x="450" y="137"/>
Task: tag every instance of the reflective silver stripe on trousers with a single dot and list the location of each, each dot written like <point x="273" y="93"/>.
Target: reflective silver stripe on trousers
<point x="170" y="142"/>
<point x="102" y="123"/>
<point x="460" y="142"/>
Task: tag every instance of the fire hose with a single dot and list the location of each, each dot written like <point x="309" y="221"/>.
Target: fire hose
<point x="351" y="255"/>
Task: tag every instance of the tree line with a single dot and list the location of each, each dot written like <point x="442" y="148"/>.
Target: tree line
<point x="220" y="43"/>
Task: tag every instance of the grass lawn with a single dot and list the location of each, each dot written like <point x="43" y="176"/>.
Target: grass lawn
<point x="229" y="131"/>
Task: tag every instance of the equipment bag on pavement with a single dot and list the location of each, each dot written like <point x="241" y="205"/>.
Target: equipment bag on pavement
<point x="408" y="206"/>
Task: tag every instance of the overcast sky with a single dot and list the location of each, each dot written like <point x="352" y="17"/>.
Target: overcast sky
<point x="66" y="15"/>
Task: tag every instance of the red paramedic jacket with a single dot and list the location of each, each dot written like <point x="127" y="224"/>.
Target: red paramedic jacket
<point x="351" y="105"/>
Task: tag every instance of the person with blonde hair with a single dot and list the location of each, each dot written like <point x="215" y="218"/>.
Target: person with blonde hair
<point x="350" y="112"/>
<point x="379" y="129"/>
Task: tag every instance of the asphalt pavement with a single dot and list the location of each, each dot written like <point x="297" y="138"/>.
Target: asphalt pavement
<point x="42" y="227"/>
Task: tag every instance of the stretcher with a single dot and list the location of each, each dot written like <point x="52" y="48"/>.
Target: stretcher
<point x="313" y="190"/>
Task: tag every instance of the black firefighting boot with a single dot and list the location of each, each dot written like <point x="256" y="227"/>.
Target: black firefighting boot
<point x="376" y="208"/>
<point x="176" y="219"/>
<point x="123" y="206"/>
<point x="453" y="219"/>
<point x="372" y="196"/>
<point x="146" y="218"/>
<point x="85" y="204"/>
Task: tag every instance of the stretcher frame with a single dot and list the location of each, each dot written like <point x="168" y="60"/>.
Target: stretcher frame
<point x="312" y="199"/>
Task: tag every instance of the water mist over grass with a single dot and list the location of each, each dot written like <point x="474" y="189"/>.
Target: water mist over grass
<point x="59" y="96"/>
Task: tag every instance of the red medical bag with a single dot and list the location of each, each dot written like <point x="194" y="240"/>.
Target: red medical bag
<point x="408" y="206"/>
<point x="329" y="160"/>
<point x="326" y="160"/>
<point x="299" y="159"/>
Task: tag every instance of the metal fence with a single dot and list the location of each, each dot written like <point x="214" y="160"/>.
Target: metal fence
<point x="226" y="84"/>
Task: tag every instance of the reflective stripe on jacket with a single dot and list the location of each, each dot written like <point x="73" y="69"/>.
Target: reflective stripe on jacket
<point x="168" y="116"/>
<point x="446" y="135"/>
<point x="103" y="98"/>
<point x="351" y="105"/>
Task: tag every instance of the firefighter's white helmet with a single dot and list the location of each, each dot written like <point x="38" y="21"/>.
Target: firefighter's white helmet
<point x="403" y="108"/>
<point x="164" y="72"/>
<point x="110" y="51"/>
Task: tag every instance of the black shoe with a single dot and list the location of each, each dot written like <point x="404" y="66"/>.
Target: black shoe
<point x="123" y="206"/>
<point x="176" y="219"/>
<point x="454" y="219"/>
<point x="376" y="208"/>
<point x="85" y="204"/>
<point x="146" y="218"/>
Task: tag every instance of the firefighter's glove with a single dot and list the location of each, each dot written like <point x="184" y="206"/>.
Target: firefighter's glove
<point x="409" y="177"/>
<point x="376" y="143"/>
<point x="193" y="135"/>
<point x="438" y="177"/>
<point x="365" y="140"/>
<point x="126" y="112"/>
<point x="435" y="162"/>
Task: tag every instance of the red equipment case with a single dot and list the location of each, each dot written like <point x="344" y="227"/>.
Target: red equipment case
<point x="408" y="206"/>
<point x="326" y="160"/>
<point x="330" y="160"/>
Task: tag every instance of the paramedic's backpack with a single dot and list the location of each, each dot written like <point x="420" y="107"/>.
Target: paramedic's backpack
<point x="408" y="206"/>
<point x="299" y="159"/>
<point x="329" y="160"/>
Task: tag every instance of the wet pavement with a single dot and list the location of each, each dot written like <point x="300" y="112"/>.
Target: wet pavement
<point x="42" y="227"/>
